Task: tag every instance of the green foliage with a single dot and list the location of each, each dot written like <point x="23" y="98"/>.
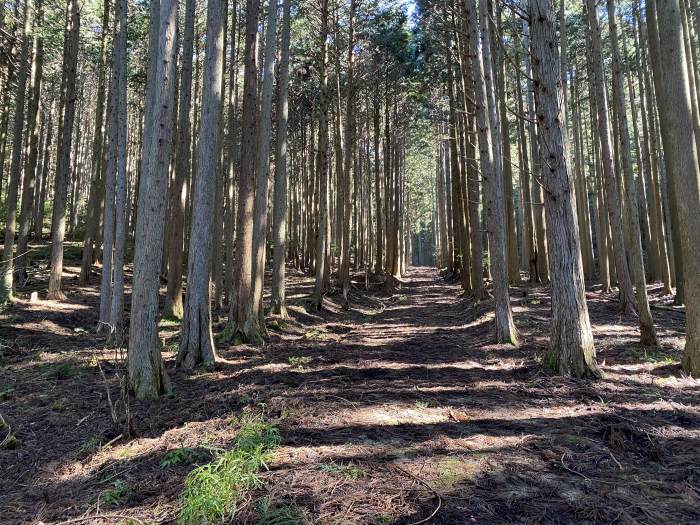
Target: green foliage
<point x="64" y="371"/>
<point x="180" y="455"/>
<point x="212" y="491"/>
<point x="550" y="360"/>
<point x="6" y="392"/>
<point x="277" y="515"/>
<point x="119" y="492"/>
<point x="92" y="444"/>
<point x="348" y="471"/>
<point x="299" y="361"/>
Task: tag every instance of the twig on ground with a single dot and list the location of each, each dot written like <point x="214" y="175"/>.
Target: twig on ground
<point x="103" y="517"/>
<point x="431" y="489"/>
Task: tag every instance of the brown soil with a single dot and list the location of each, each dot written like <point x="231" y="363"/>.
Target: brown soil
<point x="399" y="410"/>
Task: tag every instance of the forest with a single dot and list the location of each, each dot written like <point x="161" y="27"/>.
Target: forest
<point x="374" y="262"/>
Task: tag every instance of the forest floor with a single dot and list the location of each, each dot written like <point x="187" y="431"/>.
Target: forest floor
<point x="398" y="410"/>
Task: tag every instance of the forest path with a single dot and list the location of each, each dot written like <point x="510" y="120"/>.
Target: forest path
<point x="390" y="411"/>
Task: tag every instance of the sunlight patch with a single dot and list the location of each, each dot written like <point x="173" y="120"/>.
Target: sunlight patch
<point x="385" y="415"/>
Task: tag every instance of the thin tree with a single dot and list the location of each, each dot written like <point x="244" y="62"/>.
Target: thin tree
<point x="65" y="133"/>
<point x="263" y="171"/>
<point x="612" y="196"/>
<point x="7" y="268"/>
<point x="646" y="323"/>
<point x="281" y="198"/>
<point x="243" y="328"/>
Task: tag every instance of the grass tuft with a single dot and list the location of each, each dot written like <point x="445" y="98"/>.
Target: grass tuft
<point x="277" y="515"/>
<point x="299" y="361"/>
<point x="212" y="491"/>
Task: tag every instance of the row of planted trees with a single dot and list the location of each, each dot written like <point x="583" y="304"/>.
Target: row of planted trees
<point x="206" y="143"/>
<point x="211" y="143"/>
<point x="576" y="122"/>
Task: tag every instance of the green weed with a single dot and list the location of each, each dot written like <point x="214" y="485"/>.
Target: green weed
<point x="299" y="361"/>
<point x="550" y="360"/>
<point x="180" y="455"/>
<point x="212" y="491"/>
<point x="277" y="515"/>
<point x="64" y="371"/>
<point x="6" y="392"/>
<point x="120" y="491"/>
<point x="92" y="444"/>
<point x="349" y="471"/>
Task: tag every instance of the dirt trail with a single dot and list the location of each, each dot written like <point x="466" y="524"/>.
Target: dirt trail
<point x="396" y="411"/>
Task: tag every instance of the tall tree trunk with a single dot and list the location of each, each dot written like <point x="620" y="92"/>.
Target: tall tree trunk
<point x="612" y="196"/>
<point x="571" y="342"/>
<point x="196" y="339"/>
<point x="147" y="376"/>
<point x="241" y="326"/>
<point x="7" y="268"/>
<point x="348" y="173"/>
<point x="178" y="192"/>
<point x="96" y="196"/>
<point x="322" y="161"/>
<point x="263" y="173"/>
<point x="65" y="133"/>
<point x="682" y="160"/>
<point x="32" y="152"/>
<point x="490" y="168"/>
<point x="281" y="199"/>
<point x="116" y="318"/>
<point x="646" y="323"/>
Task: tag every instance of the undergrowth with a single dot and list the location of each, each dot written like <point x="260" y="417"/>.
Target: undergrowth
<point x="213" y="491"/>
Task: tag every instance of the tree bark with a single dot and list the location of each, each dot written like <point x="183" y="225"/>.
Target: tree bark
<point x="7" y="267"/>
<point x="281" y="198"/>
<point x="196" y="339"/>
<point x="243" y="328"/>
<point x="146" y="372"/>
<point x="682" y="160"/>
<point x="63" y="160"/>
<point x="571" y="341"/>
<point x="612" y="196"/>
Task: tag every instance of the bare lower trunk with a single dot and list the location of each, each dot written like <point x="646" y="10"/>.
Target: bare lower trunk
<point x="33" y="122"/>
<point x="489" y="150"/>
<point x="280" y="209"/>
<point x="147" y="376"/>
<point x="7" y="267"/>
<point x="612" y="197"/>
<point x="178" y="192"/>
<point x="196" y="339"/>
<point x="571" y="342"/>
<point x="65" y="132"/>
<point x="263" y="175"/>
<point x="241" y="326"/>
<point x="682" y="160"/>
